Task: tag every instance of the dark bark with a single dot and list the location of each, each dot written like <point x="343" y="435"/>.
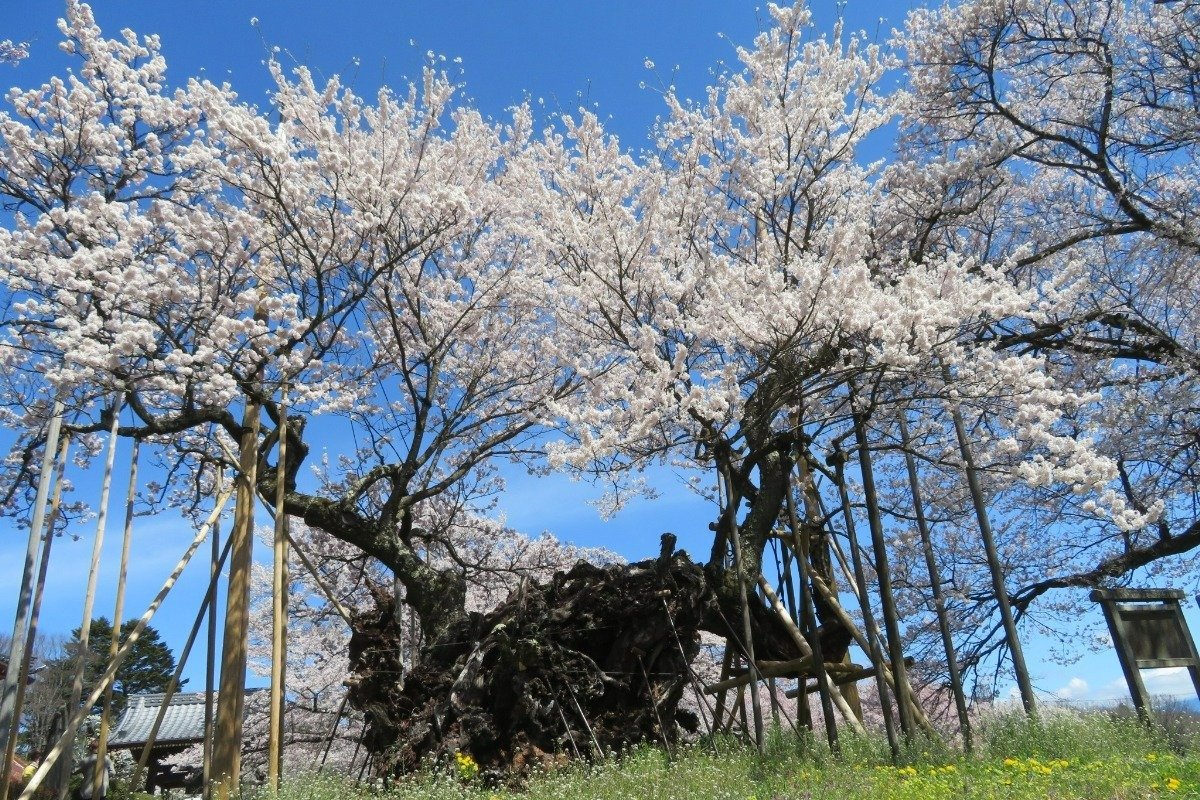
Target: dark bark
<point x="597" y="656"/>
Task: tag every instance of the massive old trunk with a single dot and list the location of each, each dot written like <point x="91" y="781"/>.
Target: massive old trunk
<point x="595" y="660"/>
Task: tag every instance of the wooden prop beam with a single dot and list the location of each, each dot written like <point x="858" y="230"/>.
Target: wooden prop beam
<point x="226" y="770"/>
<point x="210" y="668"/>
<point x="844" y="674"/>
<point x="935" y="586"/>
<point x="839" y="701"/>
<point x="739" y="566"/>
<point x="808" y="609"/>
<point x="885" y="674"/>
<point x="883" y="574"/>
<point x="765" y="669"/>
<point x="872" y="645"/>
<point x="279" y="608"/>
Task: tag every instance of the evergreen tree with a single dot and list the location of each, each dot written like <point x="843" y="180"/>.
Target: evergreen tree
<point x="148" y="668"/>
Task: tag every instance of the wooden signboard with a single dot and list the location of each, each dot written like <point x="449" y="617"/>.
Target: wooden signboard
<point x="1149" y="632"/>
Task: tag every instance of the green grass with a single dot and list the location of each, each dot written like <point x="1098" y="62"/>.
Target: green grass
<point x="1063" y="756"/>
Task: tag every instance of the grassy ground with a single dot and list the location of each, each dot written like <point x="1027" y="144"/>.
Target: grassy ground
<point x="1066" y="755"/>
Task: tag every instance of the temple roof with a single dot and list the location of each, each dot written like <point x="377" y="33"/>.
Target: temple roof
<point x="182" y="724"/>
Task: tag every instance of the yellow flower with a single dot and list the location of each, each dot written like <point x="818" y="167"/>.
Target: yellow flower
<point x="1152" y="757"/>
<point x="1011" y="762"/>
<point x="466" y="766"/>
<point x="1173" y="784"/>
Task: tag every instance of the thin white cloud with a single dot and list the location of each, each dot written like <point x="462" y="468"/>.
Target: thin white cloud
<point x="1076" y="689"/>
<point x="1168" y="681"/>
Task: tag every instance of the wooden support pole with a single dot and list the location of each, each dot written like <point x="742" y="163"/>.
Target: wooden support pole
<point x="692" y="679"/>
<point x="739" y="568"/>
<point x="279" y="608"/>
<point x="808" y="613"/>
<point x="873" y="648"/>
<point x="306" y="562"/>
<point x="78" y="715"/>
<point x="845" y="675"/>
<point x="764" y="669"/>
<point x="227" y="745"/>
<point x="883" y="675"/>
<point x="19" y="640"/>
<point x="803" y="646"/>
<point x="337" y="721"/>
<point x="748" y="634"/>
<point x="883" y="572"/>
<point x="803" y="713"/>
<point x="1024" y="684"/>
<point x="726" y="666"/>
<point x="935" y="585"/>
<point x="583" y="717"/>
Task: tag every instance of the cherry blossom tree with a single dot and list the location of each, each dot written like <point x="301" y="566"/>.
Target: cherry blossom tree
<point x="749" y="301"/>
<point x="1066" y="136"/>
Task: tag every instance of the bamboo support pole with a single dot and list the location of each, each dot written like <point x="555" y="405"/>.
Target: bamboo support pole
<point x="838" y="700"/>
<point x="701" y="700"/>
<point x="279" y="607"/>
<point x="935" y="585"/>
<point x="89" y="597"/>
<point x="119" y="609"/>
<point x="78" y="715"/>
<point x="35" y="612"/>
<point x="306" y="562"/>
<point x="583" y="717"/>
<point x="19" y="641"/>
<point x="227" y="746"/>
<point x="174" y="683"/>
<point x="210" y="670"/>
<point x="662" y="729"/>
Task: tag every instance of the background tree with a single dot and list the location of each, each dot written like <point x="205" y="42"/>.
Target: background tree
<point x="1062" y="137"/>
<point x="148" y="667"/>
<point x="45" y="697"/>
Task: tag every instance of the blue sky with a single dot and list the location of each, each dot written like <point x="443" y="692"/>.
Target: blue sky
<point x="560" y="55"/>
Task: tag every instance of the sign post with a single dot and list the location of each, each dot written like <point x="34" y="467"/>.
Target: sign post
<point x="1149" y="632"/>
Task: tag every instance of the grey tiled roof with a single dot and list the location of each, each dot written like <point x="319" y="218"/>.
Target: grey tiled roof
<point x="183" y="723"/>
